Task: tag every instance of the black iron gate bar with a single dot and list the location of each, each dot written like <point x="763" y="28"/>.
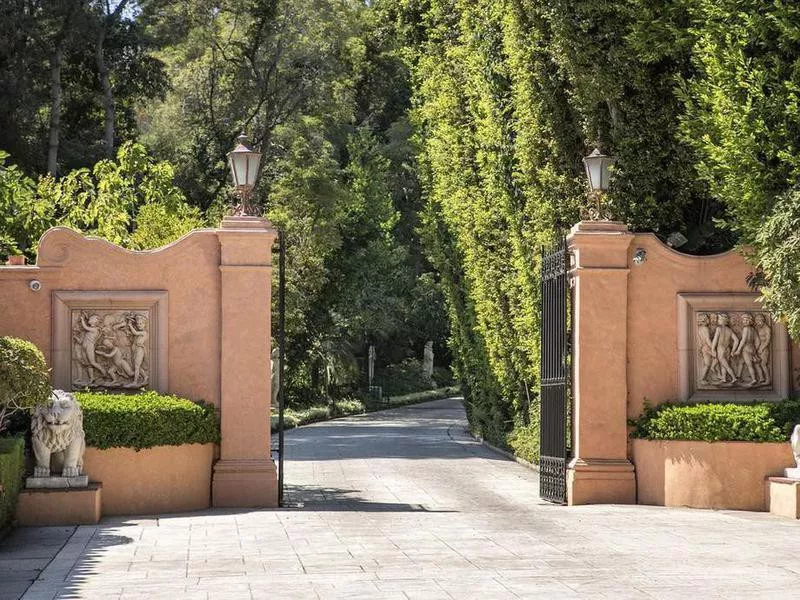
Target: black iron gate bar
<point x="554" y="450"/>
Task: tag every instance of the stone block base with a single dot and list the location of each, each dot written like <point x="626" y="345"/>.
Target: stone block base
<point x="783" y="497"/>
<point x="244" y="484"/>
<point x="600" y="481"/>
<point x="57" y="483"/>
<point x="71" y="506"/>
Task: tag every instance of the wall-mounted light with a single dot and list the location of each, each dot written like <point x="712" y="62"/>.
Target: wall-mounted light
<point x="640" y="256"/>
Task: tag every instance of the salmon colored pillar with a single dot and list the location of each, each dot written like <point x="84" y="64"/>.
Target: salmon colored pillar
<point x="600" y="471"/>
<point x="245" y="474"/>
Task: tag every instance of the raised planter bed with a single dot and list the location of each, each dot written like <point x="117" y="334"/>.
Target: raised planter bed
<point x="161" y="479"/>
<point x="721" y="475"/>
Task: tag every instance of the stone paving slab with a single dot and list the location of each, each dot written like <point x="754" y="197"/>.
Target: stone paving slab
<point x="404" y="504"/>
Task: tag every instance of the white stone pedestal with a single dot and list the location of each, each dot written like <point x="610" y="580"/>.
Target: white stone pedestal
<point x="783" y="496"/>
<point x="56" y="483"/>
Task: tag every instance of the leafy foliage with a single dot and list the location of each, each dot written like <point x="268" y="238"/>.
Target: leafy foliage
<point x="404" y="378"/>
<point x="754" y="422"/>
<point x="131" y="201"/>
<point x="743" y="120"/>
<point x="145" y="420"/>
<point x="12" y="468"/>
<point x="24" y="377"/>
<point x="524" y="441"/>
<point x="778" y="251"/>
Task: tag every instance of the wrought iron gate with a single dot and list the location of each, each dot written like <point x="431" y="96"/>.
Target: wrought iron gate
<point x="555" y="365"/>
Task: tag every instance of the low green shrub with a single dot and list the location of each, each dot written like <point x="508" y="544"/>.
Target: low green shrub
<point x="404" y="378"/>
<point x="321" y="412"/>
<point x="353" y="406"/>
<point x="349" y="406"/>
<point x="145" y="420"/>
<point x="443" y="377"/>
<point x="12" y="467"/>
<point x="24" y="377"/>
<point x="524" y="442"/>
<point x="426" y="396"/>
<point x="751" y="422"/>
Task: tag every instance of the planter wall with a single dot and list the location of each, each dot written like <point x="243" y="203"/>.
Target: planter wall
<point x="722" y="475"/>
<point x="155" y="480"/>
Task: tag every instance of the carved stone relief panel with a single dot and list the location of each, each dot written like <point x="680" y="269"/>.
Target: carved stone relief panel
<point x="111" y="348"/>
<point x="733" y="350"/>
<point x="730" y="349"/>
<point x="110" y="340"/>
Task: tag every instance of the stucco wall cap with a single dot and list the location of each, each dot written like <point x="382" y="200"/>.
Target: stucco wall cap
<point x="53" y="245"/>
<point x="736" y="253"/>
<point x="599" y="227"/>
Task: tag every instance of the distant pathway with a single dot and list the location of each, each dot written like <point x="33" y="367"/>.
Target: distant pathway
<point x="403" y="504"/>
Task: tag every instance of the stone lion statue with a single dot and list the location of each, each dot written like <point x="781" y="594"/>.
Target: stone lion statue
<point x="57" y="434"/>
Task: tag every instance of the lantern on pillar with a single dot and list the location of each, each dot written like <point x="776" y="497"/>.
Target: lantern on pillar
<point x="244" y="163"/>
<point x="597" y="170"/>
<point x="598" y="173"/>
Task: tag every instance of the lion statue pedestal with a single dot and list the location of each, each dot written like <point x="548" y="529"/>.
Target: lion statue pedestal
<point x="58" y="444"/>
<point x="59" y="493"/>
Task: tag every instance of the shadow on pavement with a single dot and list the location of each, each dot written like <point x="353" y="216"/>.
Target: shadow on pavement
<point x="335" y="499"/>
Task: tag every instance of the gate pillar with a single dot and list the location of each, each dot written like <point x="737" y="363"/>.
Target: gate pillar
<point x="600" y="471"/>
<point x="245" y="474"/>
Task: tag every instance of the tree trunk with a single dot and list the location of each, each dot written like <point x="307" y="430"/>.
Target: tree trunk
<point x="55" y="87"/>
<point x="108" y="94"/>
<point x="55" y="109"/>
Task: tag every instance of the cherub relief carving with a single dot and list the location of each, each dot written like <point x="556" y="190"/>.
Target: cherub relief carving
<point x="110" y="349"/>
<point x="733" y="350"/>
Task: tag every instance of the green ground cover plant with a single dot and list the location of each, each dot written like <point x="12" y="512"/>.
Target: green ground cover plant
<point x="145" y="420"/>
<point x="12" y="465"/>
<point x="750" y="422"/>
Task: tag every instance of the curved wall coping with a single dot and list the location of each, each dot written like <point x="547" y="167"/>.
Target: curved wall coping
<point x="674" y="255"/>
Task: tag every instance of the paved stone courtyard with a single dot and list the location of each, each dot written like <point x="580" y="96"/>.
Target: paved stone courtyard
<point x="403" y="504"/>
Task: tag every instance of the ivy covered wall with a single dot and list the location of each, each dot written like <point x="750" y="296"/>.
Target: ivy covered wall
<point x="509" y="95"/>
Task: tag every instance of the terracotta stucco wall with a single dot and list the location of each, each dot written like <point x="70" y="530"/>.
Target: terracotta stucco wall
<point x="721" y="475"/>
<point x="652" y="320"/>
<point x="188" y="270"/>
<point x="215" y="288"/>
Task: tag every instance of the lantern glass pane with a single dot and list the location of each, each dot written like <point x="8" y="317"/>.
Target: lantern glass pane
<point x="253" y="159"/>
<point x="233" y="169"/>
<point x="240" y="169"/>
<point x="593" y="172"/>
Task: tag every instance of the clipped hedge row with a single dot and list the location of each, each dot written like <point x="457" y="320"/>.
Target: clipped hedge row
<point x="12" y="466"/>
<point x="750" y="422"/>
<point x="145" y="420"/>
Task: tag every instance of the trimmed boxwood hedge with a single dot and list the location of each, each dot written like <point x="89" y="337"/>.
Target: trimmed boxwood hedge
<point x="12" y="465"/>
<point x="750" y="422"/>
<point x="145" y="420"/>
